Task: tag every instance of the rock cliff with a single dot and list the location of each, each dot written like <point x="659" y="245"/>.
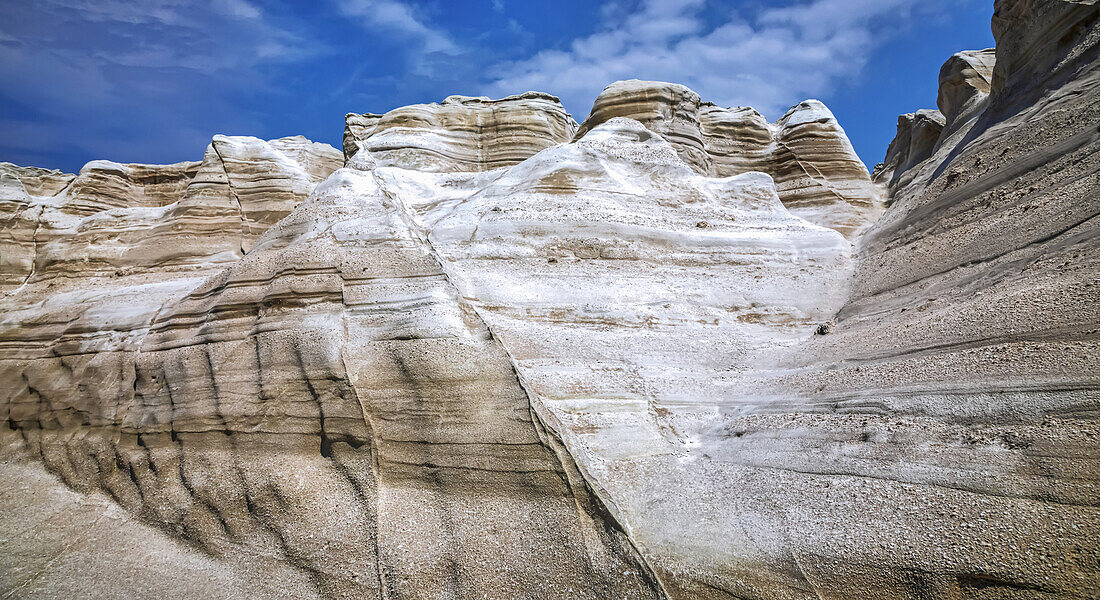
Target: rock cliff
<point x="673" y="352"/>
<point x="461" y="133"/>
<point x="815" y="169"/>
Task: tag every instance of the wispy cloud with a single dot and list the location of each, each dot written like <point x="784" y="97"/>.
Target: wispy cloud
<point x="129" y="77"/>
<point x="767" y="58"/>
<point x="388" y="17"/>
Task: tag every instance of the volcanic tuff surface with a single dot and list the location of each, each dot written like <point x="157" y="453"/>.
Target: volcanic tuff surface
<point x="673" y="352"/>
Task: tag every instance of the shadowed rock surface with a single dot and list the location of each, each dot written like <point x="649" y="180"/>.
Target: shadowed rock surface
<point x="489" y="358"/>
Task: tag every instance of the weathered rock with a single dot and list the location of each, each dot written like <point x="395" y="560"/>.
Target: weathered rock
<point x="1041" y="47"/>
<point x="964" y="82"/>
<point x="953" y="407"/>
<point x="628" y="366"/>
<point x="916" y="139"/>
<point x="328" y="402"/>
<point x="461" y="133"/>
<point x="624" y="311"/>
<point x="815" y="168"/>
<point x="113" y="220"/>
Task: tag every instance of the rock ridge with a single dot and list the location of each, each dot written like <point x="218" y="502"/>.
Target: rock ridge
<point x="816" y="170"/>
<point x="675" y="351"/>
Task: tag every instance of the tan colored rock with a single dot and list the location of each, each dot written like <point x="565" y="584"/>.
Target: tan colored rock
<point x="668" y="109"/>
<point x="626" y="311"/>
<point x="964" y="82"/>
<point x="327" y="402"/>
<point x="954" y="400"/>
<point x="460" y="134"/>
<point x="114" y="220"/>
<point x="816" y="170"/>
<point x="598" y="371"/>
<point x="916" y="139"/>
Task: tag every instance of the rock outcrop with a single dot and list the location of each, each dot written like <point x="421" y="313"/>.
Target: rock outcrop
<point x="497" y="356"/>
<point x="461" y="133"/>
<point x="816" y="170"/>
<point x="964" y="84"/>
<point x="918" y="133"/>
<point x="954" y="398"/>
<point x="113" y="220"/>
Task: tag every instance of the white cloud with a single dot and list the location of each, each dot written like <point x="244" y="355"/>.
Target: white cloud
<point x="239" y="8"/>
<point x="393" y="16"/>
<point x="129" y="78"/>
<point x="770" y="59"/>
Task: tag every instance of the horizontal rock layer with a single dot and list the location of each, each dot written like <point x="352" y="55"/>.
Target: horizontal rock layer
<point x="816" y="170"/>
<point x="326" y="403"/>
<point x="640" y="361"/>
<point x="962" y="371"/>
<point x="461" y="133"/>
<point x="114" y="220"/>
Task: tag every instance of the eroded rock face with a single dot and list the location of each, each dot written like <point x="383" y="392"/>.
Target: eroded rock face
<point x="964" y="83"/>
<point x="326" y="407"/>
<point x="113" y="220"/>
<point x="916" y="139"/>
<point x="461" y="133"/>
<point x="816" y="170"/>
<point x="625" y="311"/>
<point x="641" y="362"/>
<point x="954" y="400"/>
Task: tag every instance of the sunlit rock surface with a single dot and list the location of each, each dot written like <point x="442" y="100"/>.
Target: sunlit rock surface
<point x="953" y="404"/>
<point x="461" y="133"/>
<point x="494" y="356"/>
<point x="816" y="170"/>
<point x="964" y="84"/>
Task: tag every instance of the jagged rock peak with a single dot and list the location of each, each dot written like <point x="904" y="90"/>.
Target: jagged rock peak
<point x="964" y="87"/>
<point x="816" y="171"/>
<point x="462" y="133"/>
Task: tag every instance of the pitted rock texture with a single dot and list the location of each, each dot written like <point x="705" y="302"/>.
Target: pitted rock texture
<point x="962" y="371"/>
<point x="468" y="365"/>
<point x="461" y="133"/>
<point x="816" y="170"/>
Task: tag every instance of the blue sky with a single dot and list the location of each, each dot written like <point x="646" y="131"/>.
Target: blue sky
<point x="152" y="80"/>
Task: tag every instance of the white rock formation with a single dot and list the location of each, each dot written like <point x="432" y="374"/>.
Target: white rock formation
<point x="489" y="358"/>
<point x="461" y="133"/>
<point x="816" y="170"/>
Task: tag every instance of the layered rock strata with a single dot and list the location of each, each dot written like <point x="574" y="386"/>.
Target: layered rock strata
<point x="964" y="83"/>
<point x="605" y="369"/>
<point x="953" y="402"/>
<point x="816" y="170"/>
<point x="325" y="408"/>
<point x="963" y="94"/>
<point x="630" y="291"/>
<point x="917" y="135"/>
<point x="114" y="220"/>
<point x="461" y="133"/>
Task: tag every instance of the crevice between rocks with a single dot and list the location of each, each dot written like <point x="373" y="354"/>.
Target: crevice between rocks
<point x="580" y="483"/>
